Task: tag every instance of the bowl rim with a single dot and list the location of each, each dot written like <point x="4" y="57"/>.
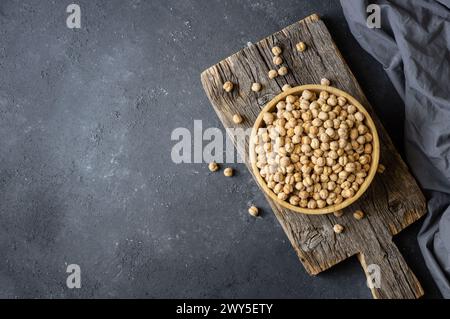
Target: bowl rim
<point x="375" y="152"/>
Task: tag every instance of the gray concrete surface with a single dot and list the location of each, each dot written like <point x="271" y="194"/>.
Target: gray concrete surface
<point x="85" y="170"/>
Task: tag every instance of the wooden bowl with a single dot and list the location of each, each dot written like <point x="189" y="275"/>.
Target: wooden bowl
<point x="369" y="123"/>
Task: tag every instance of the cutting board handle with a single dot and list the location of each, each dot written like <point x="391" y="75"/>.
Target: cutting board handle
<point x="388" y="275"/>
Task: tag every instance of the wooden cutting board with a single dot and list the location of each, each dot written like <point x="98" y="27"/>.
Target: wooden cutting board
<point x="393" y="200"/>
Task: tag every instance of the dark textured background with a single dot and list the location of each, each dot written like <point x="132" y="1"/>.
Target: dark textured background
<point x="85" y="170"/>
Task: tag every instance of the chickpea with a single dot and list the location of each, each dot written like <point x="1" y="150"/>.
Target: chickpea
<point x="331" y="186"/>
<point x="368" y="148"/>
<point x="281" y="105"/>
<point x="365" y="159"/>
<point x="323" y="116"/>
<point x="338" y="213"/>
<point x="287" y="189"/>
<point x="313" y="131"/>
<point x="291" y="99"/>
<point x="381" y="168"/>
<point x="361" y="140"/>
<point x="350" y="167"/>
<point x="278" y="188"/>
<point x="362" y="129"/>
<point x="330" y="132"/>
<point x="321" y="161"/>
<point x="307" y="95"/>
<point x="282" y="196"/>
<point x="303" y="194"/>
<point x="294" y="200"/>
<point x="283" y="71"/>
<point x="306" y="148"/>
<point x="301" y="46"/>
<point x="256" y="87"/>
<point x="338" y="228"/>
<point x="286" y="87"/>
<point x="354" y="134"/>
<point x="325" y="82"/>
<point x="323" y="194"/>
<point x="339" y="199"/>
<point x="237" y="118"/>
<point x="296" y="139"/>
<point x="307" y="181"/>
<point x="332" y="101"/>
<point x="276" y="51"/>
<point x="306" y="116"/>
<point x="272" y="74"/>
<point x="268" y="118"/>
<point x="351" y="109"/>
<point x="341" y="101"/>
<point x="228" y="172"/>
<point x="312" y="204"/>
<point x="213" y="166"/>
<point x="277" y="60"/>
<point x="358" y="214"/>
<point x="285" y="161"/>
<point x="328" y="124"/>
<point x="321" y="203"/>
<point x="359" y="116"/>
<point x="348" y="192"/>
<point x="315" y="143"/>
<point x="324" y="146"/>
<point x="324" y="95"/>
<point x="228" y="86"/>
<point x="254" y="211"/>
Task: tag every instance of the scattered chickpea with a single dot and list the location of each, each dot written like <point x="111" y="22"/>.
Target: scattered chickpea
<point x="359" y="214"/>
<point x="381" y="168"/>
<point x="256" y="87"/>
<point x="338" y="228"/>
<point x="277" y="60"/>
<point x="213" y="166"/>
<point x="237" y="118"/>
<point x="228" y="86"/>
<point x="338" y="213"/>
<point x="301" y="46"/>
<point x="276" y="51"/>
<point x="286" y="87"/>
<point x="254" y="211"/>
<point x="325" y="81"/>
<point x="272" y="74"/>
<point x="282" y="71"/>
<point x="228" y="172"/>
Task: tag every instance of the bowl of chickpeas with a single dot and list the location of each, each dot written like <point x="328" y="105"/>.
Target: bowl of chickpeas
<point x="314" y="149"/>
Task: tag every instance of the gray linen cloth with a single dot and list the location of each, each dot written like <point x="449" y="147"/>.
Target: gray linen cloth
<point x="413" y="45"/>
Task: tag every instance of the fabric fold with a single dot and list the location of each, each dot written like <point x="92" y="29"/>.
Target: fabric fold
<point x="413" y="45"/>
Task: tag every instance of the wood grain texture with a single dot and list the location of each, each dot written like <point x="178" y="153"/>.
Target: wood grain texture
<point x="392" y="202"/>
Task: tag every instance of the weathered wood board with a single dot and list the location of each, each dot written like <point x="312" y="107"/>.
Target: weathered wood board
<point x="392" y="202"/>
